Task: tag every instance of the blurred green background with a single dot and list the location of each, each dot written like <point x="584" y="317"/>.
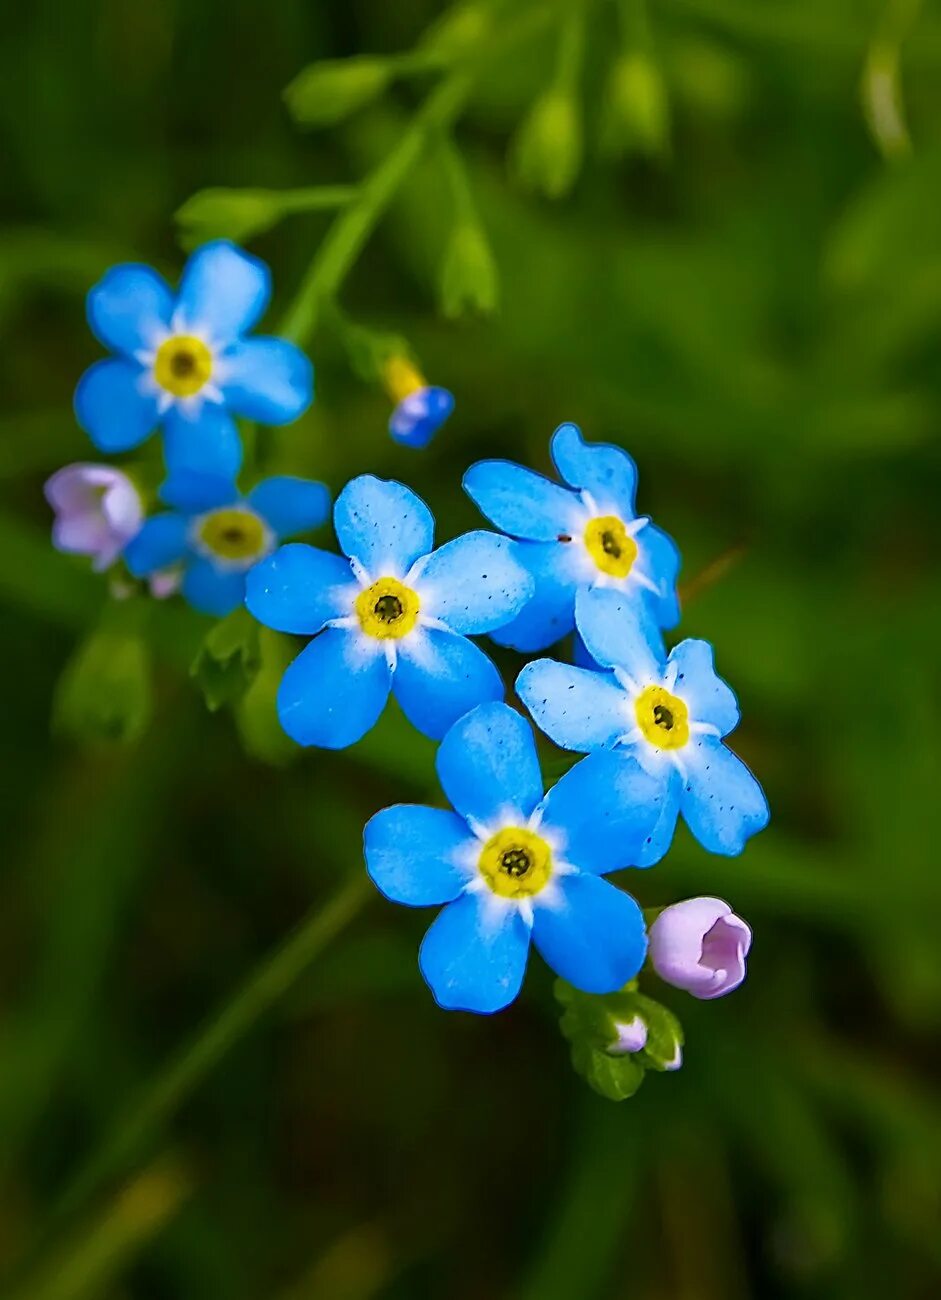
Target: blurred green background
<point x="747" y="295"/>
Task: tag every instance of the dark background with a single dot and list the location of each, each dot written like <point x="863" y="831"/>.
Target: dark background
<point x="756" y="316"/>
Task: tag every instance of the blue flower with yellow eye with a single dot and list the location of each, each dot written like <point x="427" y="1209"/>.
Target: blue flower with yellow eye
<point x="512" y="865"/>
<point x="585" y="535"/>
<point x="667" y="712"/>
<point x="390" y="614"/>
<point x="213" y="536"/>
<point x="181" y="360"/>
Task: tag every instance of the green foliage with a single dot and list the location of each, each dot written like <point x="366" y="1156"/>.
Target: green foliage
<point x="546" y="152"/>
<point x="469" y="278"/>
<point x="228" y="660"/>
<point x="105" y="693"/>
<point x="636" y="115"/>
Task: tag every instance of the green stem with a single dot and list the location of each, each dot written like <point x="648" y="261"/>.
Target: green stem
<point x="458" y="183"/>
<point x="276" y="975"/>
<point x="317" y="198"/>
<point x="353" y="226"/>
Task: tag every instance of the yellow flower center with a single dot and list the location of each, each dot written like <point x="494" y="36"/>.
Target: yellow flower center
<point x="610" y="545"/>
<point x="387" y="609"/>
<point x="233" y="533"/>
<point x="183" y="365"/>
<point x="662" y="717"/>
<point x="516" y="863"/>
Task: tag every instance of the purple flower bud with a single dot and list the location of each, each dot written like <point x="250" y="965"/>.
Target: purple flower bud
<point x="98" y="510"/>
<point x="631" y="1037"/>
<point x="700" y="945"/>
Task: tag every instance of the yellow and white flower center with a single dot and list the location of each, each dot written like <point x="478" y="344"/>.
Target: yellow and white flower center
<point x="516" y="862"/>
<point x="183" y="365"/>
<point x="663" y="718"/>
<point x="610" y="545"/>
<point x="233" y="534"/>
<point x="387" y="609"/>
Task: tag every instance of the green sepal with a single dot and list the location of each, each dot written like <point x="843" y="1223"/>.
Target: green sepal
<point x="105" y="693"/>
<point x="469" y="281"/>
<point x="589" y="1022"/>
<point x="256" y="713"/>
<point x="636" y="114"/>
<point x="325" y="93"/>
<point x="546" y="151"/>
<point x="228" y="660"/>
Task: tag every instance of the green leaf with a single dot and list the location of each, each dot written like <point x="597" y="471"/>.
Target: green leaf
<point x="664" y="1034"/>
<point x="228" y="660"/>
<point x="588" y="1022"/>
<point x="327" y="92"/>
<point x="256" y="714"/>
<point x="105" y="693"/>
<point x="229" y="214"/>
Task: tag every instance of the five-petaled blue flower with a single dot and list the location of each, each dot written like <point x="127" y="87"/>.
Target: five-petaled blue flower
<point x="670" y="713"/>
<point x="182" y="359"/>
<point x="513" y="865"/>
<point x="582" y="536"/>
<point x="392" y="616"/>
<point x="215" y="536"/>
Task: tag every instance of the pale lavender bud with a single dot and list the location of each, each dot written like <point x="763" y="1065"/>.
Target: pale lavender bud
<point x="631" y="1037"/>
<point x="98" y="510"/>
<point x="165" y="583"/>
<point x="700" y="945"/>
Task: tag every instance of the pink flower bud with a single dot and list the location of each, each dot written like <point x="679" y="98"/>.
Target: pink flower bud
<point x="98" y="511"/>
<point x="700" y="945"/>
<point x="631" y="1037"/>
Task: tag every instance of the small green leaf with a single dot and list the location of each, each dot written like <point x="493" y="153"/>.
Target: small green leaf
<point x="228" y="659"/>
<point x="664" y="1034"/>
<point x="256" y="713"/>
<point x="327" y="92"/>
<point x="106" y="692"/>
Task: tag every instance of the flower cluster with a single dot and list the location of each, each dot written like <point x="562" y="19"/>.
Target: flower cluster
<point x="510" y="863"/>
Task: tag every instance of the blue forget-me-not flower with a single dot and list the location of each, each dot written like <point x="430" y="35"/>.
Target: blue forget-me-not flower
<point x="512" y="865"/>
<point x="215" y="536"/>
<point x="585" y="535"/>
<point x="182" y="360"/>
<point x="670" y="713"/>
<point x="391" y="616"/>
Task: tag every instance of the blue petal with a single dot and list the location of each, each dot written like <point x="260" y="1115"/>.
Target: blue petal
<point x="661" y="837"/>
<point x="299" y="588"/>
<point x="290" y="505"/>
<point x="487" y="763"/>
<point x="223" y="292"/>
<point x="619" y="633"/>
<point x="267" y="379"/>
<point x="600" y="468"/>
<point x="707" y="695"/>
<point x="550" y="612"/>
<point x="129" y="309"/>
<point x="522" y="502"/>
<point x="412" y="851"/>
<point x="441" y="676"/>
<point x="204" y="442"/>
<point x="162" y="541"/>
<point x="475" y="583"/>
<point x="383" y="525"/>
<point x="722" y="803"/>
<point x="112" y="407"/>
<point x="590" y="933"/>
<point x="473" y="957"/>
<point x="195" y="493"/>
<point x="211" y="590"/>
<point x="660" y="560"/>
<point x="603" y="809"/>
<point x="418" y="417"/>
<point x="577" y="709"/>
<point x="334" y="691"/>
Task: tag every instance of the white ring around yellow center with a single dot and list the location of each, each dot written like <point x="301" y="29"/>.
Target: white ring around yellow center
<point x="234" y="534"/>
<point x="662" y="717"/>
<point x="516" y="862"/>
<point x="610" y="545"/>
<point x="387" y="609"/>
<point x="183" y="365"/>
